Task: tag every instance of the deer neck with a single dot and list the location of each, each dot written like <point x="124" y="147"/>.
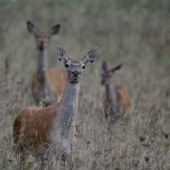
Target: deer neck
<point x="42" y="77"/>
<point x="111" y="102"/>
<point x="109" y="92"/>
<point x="68" y="108"/>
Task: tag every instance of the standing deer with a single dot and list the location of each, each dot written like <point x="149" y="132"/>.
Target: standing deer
<point x="39" y="129"/>
<point x="47" y="85"/>
<point x="116" y="99"/>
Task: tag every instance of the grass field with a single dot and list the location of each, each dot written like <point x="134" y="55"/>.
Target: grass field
<point x="135" y="33"/>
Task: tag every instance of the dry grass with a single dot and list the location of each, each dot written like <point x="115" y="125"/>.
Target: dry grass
<point x="133" y="32"/>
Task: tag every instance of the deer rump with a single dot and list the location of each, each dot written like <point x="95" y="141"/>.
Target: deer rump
<point x="34" y="124"/>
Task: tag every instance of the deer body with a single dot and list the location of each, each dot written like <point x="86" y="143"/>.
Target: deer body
<point x="38" y="130"/>
<point x="116" y="99"/>
<point x="47" y="85"/>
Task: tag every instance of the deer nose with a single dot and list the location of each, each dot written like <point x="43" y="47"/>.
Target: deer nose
<point x="41" y="43"/>
<point x="75" y="73"/>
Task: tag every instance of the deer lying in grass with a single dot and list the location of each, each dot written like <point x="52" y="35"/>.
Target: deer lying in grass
<point x="116" y="99"/>
<point x="38" y="130"/>
<point x="47" y="85"/>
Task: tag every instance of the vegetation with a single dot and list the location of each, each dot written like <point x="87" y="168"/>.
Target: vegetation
<point x="136" y="33"/>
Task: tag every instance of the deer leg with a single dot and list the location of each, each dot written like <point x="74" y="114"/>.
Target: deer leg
<point x="68" y="161"/>
<point x="68" y="155"/>
<point x="43" y="155"/>
<point x="43" y="162"/>
<point x="20" y="156"/>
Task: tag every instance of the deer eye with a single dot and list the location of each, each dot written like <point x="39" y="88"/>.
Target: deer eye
<point x="83" y="67"/>
<point x="66" y="65"/>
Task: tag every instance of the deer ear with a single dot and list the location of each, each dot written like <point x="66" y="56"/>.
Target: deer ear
<point x="54" y="30"/>
<point x="62" y="55"/>
<point x="116" y="68"/>
<point x="104" y="65"/>
<point x="31" y="28"/>
<point x="90" y="56"/>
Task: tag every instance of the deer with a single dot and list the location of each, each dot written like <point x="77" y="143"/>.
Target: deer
<point x="39" y="130"/>
<point x="116" y="99"/>
<point x="47" y="84"/>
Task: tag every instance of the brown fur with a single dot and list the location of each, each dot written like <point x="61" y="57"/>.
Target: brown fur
<point x="57" y="78"/>
<point x="30" y="120"/>
<point x="75" y="61"/>
<point x="122" y="98"/>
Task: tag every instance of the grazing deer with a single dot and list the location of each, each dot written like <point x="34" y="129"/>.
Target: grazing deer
<point x="116" y="99"/>
<point x="47" y="85"/>
<point x="39" y="129"/>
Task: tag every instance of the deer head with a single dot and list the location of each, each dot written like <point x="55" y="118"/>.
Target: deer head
<point x="42" y="38"/>
<point x="108" y="74"/>
<point x="75" y="68"/>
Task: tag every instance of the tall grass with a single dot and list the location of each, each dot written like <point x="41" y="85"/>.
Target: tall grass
<point x="133" y="32"/>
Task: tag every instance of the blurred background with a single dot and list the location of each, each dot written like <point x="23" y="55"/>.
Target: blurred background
<point x="135" y="33"/>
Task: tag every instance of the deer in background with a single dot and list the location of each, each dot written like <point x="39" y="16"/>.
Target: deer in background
<point x="47" y="85"/>
<point x="40" y="129"/>
<point x="116" y="99"/>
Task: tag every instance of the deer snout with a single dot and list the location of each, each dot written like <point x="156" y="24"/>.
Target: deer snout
<point x="41" y="43"/>
<point x="75" y="73"/>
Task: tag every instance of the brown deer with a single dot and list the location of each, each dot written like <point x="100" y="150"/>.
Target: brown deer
<point x="47" y="85"/>
<point x="116" y="99"/>
<point x="52" y="128"/>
